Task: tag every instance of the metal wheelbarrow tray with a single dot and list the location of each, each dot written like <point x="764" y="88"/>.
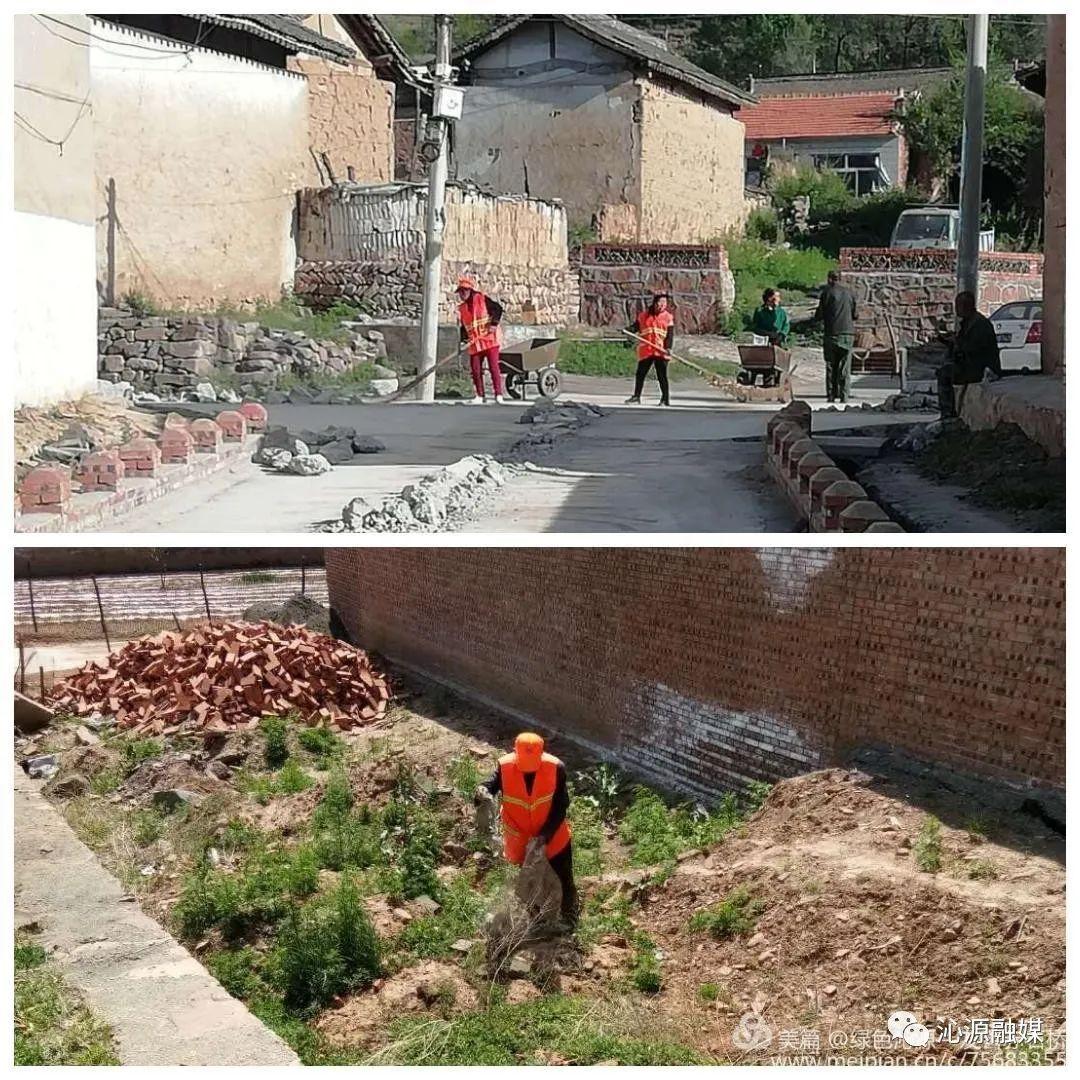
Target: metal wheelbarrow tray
<point x="775" y="363"/>
<point x="532" y="363"/>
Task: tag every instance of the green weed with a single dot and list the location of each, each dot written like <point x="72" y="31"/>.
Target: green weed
<point x="657" y="833"/>
<point x="645" y="971"/>
<point x="325" y="948"/>
<point x="603" y="786"/>
<point x="52" y="1025"/>
<point x="275" y="730"/>
<point x="572" y="1030"/>
<point x="465" y="775"/>
<point x="927" y="846"/>
<point x="734" y="916"/>
<point x="257" y="577"/>
<point x="982" y="870"/>
<point x="709" y="992"/>
<point x="322" y="744"/>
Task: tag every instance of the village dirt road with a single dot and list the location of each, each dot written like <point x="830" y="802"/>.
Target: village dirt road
<point x="695" y="467"/>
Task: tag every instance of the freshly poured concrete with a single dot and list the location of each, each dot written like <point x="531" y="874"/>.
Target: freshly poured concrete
<point x="639" y="468"/>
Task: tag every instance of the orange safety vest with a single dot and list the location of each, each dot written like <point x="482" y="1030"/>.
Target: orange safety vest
<point x="477" y="322"/>
<point x="653" y="328"/>
<point x="523" y="812"/>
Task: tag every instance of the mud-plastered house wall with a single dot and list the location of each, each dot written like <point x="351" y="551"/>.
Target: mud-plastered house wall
<point x="53" y="222"/>
<point x="561" y="127"/>
<point x="702" y="669"/>
<point x="691" y="168"/>
<point x="197" y="159"/>
<point x="350" y="110"/>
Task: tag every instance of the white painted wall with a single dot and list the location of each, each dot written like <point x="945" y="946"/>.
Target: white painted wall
<point x="55" y="309"/>
<point x="53" y="223"/>
<point x="207" y="152"/>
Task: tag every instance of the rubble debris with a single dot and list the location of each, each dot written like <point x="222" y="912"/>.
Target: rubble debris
<point x="218" y="678"/>
<point x="30" y="715"/>
<point x="434" y="502"/>
<point x="69" y="786"/>
<point x="65" y="431"/>
<point x="169" y="801"/>
<point x="550" y="420"/>
<point x="41" y="767"/>
<point x="284" y="452"/>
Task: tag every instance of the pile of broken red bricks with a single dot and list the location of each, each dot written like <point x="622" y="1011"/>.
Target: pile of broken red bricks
<point x="820" y="492"/>
<point x="186" y="450"/>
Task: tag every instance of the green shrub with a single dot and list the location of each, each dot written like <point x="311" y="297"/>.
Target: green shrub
<point x="645" y="972"/>
<point x="323" y="744"/>
<point x="709" y="992"/>
<point x="763" y="223"/>
<point x="734" y="916"/>
<point x="291" y="779"/>
<point x="828" y="191"/>
<point x="605" y="912"/>
<point x="465" y="775"/>
<point x="928" y="846"/>
<point x="138" y="303"/>
<point x="349" y="842"/>
<point x="238" y="971"/>
<point x="588" y="833"/>
<point x="419" y="858"/>
<point x="28" y="955"/>
<point x="259" y="891"/>
<point x="324" y="949"/>
<point x="147" y="826"/>
<point x="275" y="731"/>
<point x="657" y="833"/>
<point x="603" y="786"/>
<point x="430" y="937"/>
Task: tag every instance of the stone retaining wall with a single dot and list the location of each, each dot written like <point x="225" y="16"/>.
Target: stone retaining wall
<point x="618" y="280"/>
<point x="171" y="355"/>
<point x="547" y="295"/>
<point x="916" y="288"/>
<point x="364" y="244"/>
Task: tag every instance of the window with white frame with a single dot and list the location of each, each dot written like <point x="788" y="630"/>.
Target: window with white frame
<point x="862" y="172"/>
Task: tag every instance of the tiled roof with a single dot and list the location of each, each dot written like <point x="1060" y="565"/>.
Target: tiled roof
<point x="819" y="116"/>
<point x="852" y="82"/>
<point x="284" y="30"/>
<point x="629" y="41"/>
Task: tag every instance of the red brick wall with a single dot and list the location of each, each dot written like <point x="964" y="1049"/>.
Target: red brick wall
<point x="703" y="668"/>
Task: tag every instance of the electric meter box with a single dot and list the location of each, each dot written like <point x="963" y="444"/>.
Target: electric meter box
<point x="448" y="102"/>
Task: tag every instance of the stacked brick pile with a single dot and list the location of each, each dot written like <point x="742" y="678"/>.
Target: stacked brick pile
<point x="171" y="355"/>
<point x="228" y="676"/>
<point x="817" y="488"/>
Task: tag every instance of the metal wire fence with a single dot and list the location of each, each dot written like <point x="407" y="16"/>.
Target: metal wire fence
<point x="62" y="622"/>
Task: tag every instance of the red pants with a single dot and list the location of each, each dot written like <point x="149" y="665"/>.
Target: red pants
<point x="476" y="361"/>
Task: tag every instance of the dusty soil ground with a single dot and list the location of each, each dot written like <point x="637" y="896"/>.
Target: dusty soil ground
<point x="847" y="928"/>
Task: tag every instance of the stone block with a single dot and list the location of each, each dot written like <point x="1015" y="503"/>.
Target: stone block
<point x="141" y="457"/>
<point x="177" y="445"/>
<point x="100" y="471"/>
<point x="206" y="435"/>
<point x="45" y="490"/>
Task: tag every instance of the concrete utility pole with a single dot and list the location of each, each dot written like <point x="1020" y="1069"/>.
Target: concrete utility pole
<point x="436" y="217"/>
<point x="971" y="158"/>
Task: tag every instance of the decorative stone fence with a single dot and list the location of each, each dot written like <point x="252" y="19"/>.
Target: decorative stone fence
<point x="818" y="490"/>
<point x="618" y="280"/>
<point x="170" y="356"/>
<point x="916" y="288"/>
<point x="364" y="244"/>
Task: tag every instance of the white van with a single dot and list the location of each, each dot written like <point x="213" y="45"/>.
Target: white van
<point x="934" y="227"/>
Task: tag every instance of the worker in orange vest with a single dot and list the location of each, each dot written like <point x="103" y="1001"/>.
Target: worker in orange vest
<point x="657" y="326"/>
<point x="481" y="318"/>
<point x="535" y="801"/>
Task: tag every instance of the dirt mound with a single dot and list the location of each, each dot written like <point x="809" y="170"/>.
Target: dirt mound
<point x="228" y="676"/>
<point x="845" y="928"/>
<point x="432" y="987"/>
<point x="298" y="610"/>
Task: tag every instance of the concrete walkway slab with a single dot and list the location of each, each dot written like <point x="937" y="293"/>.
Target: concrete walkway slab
<point x="164" y="1007"/>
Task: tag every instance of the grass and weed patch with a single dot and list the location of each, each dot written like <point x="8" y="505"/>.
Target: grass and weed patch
<point x="735" y="916"/>
<point x="52" y="1024"/>
<point x="927" y="846"/>
<point x="657" y="833"/>
<point x="571" y="1030"/>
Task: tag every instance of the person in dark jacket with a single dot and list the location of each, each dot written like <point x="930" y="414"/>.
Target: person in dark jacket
<point x="535" y="802"/>
<point x="974" y="351"/>
<point x="836" y="310"/>
<point x="654" y="330"/>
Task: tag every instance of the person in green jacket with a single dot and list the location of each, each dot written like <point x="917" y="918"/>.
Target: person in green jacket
<point x="770" y="321"/>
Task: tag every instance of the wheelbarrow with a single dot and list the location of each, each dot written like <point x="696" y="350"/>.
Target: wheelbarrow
<point x="532" y="363"/>
<point x="775" y="366"/>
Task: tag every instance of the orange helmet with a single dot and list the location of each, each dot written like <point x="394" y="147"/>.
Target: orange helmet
<point x="529" y="749"/>
<point x="466" y="282"/>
